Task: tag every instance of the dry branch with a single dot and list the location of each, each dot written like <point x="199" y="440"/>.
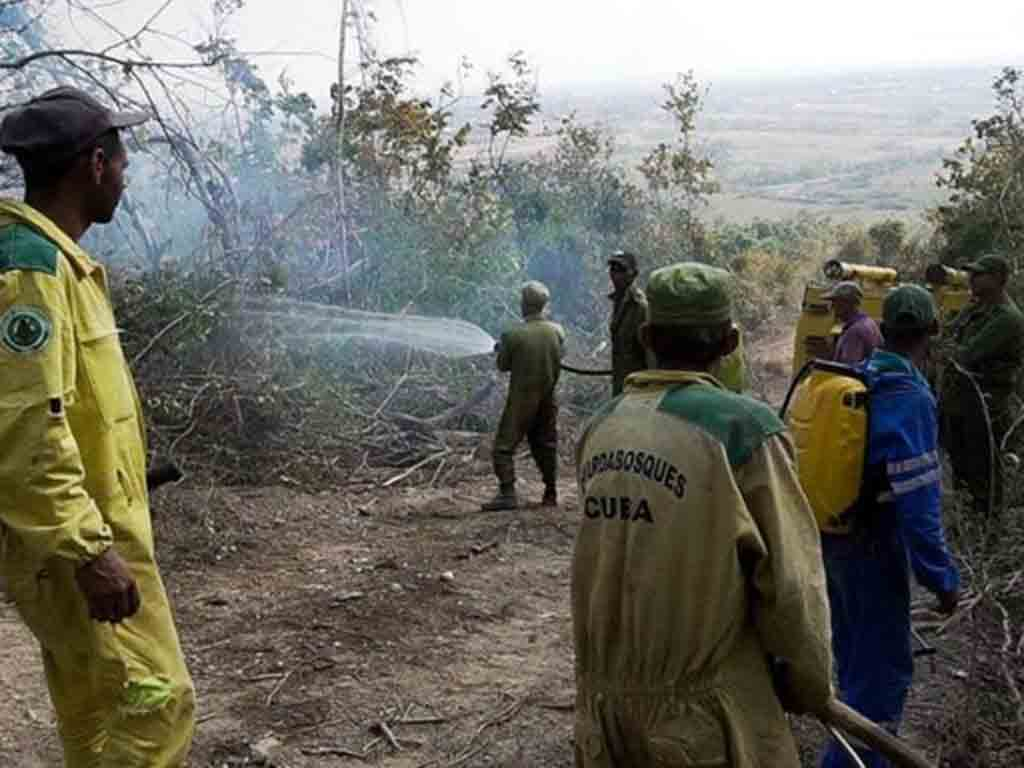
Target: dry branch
<point x="453" y="413"/>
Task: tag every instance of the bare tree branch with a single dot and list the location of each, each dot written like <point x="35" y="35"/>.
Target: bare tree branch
<point x="126" y="64"/>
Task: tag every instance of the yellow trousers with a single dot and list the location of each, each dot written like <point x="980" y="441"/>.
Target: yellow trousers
<point x="122" y="693"/>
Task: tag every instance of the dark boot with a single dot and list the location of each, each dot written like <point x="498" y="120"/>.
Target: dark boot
<point x="550" y="497"/>
<point x="506" y="498"/>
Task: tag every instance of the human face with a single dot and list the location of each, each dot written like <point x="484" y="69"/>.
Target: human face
<point x="843" y="308"/>
<point x="107" y="171"/>
<point x="986" y="286"/>
<point x="620" y="276"/>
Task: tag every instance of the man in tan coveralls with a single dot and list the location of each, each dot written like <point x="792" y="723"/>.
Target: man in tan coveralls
<point x="532" y="353"/>
<point x="697" y="559"/>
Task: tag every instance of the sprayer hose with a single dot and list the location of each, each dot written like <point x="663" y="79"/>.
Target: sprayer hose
<point x="587" y="371"/>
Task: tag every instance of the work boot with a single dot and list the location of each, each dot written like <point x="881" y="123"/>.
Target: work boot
<point x="506" y="498"/>
<point x="550" y="497"/>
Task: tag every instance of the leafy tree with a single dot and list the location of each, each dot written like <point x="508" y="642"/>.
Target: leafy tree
<point x="888" y="239"/>
<point x="985" y="180"/>
<point x="679" y="173"/>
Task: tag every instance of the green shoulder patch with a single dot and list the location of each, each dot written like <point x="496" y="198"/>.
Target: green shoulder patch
<point x="740" y="423"/>
<point x="21" y="247"/>
<point x="24" y="329"/>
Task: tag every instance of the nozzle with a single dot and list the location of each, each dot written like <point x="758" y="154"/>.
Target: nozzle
<point x="841" y="270"/>
<point x="940" y="274"/>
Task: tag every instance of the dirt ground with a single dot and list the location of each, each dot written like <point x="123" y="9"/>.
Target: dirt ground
<point x="309" y="620"/>
<point x="395" y="627"/>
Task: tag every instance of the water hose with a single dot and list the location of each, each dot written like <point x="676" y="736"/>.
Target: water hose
<point x="587" y="371"/>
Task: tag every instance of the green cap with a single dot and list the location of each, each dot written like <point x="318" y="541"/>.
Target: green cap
<point x="909" y="307"/>
<point x="535" y="295"/>
<point x="990" y="264"/>
<point x="689" y="294"/>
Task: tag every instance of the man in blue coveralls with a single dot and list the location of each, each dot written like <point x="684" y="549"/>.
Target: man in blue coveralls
<point x="898" y="525"/>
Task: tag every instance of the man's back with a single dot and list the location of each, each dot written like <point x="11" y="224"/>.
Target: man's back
<point x="532" y="353"/>
<point x="695" y="557"/>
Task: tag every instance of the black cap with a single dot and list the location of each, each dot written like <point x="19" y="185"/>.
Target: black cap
<point x="63" y="121"/>
<point x="623" y="258"/>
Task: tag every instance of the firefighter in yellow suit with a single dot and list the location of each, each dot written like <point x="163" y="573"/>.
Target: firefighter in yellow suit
<point x="698" y="591"/>
<point x="77" y="543"/>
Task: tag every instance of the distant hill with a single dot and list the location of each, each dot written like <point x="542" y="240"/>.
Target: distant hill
<point x="862" y="145"/>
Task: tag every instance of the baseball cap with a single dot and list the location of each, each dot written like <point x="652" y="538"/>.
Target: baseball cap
<point x="61" y="122"/>
<point x="847" y="289"/>
<point x="535" y="294"/>
<point x="623" y="258"/>
<point x="990" y="264"/>
<point x="689" y="294"/>
<point x="909" y="307"/>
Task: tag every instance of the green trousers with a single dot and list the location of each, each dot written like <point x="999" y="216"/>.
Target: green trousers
<point x="965" y="437"/>
<point x="536" y="419"/>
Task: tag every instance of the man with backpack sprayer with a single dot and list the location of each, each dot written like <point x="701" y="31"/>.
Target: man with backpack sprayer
<point x="897" y="521"/>
<point x="860" y="335"/>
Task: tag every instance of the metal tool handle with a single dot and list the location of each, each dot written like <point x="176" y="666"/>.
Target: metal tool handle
<point x="841" y="717"/>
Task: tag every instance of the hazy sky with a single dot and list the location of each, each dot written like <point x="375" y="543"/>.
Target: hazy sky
<point x="588" y="40"/>
<point x="573" y="41"/>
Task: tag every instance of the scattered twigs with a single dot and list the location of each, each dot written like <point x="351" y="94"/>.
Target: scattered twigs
<point x="473" y="748"/>
<point x="1004" y="654"/>
<point x="279" y="686"/>
<point x="336" y="751"/>
<point x="414" y="467"/>
<point x="384" y="729"/>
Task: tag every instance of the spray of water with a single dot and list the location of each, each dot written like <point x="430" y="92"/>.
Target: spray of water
<point x="292" y="319"/>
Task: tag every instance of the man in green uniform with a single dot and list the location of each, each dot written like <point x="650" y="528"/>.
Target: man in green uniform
<point x="76" y="539"/>
<point x="532" y="353"/>
<point x="629" y="312"/>
<point x="697" y="559"/>
<point x="988" y="344"/>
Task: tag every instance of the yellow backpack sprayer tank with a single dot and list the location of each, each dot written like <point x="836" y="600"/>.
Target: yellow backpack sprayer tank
<point x="817" y="328"/>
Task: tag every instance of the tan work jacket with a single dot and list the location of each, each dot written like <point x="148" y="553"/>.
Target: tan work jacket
<point x="698" y="557"/>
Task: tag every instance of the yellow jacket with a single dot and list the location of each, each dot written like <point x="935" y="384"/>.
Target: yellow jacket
<point x="72" y="453"/>
<point x="697" y="557"/>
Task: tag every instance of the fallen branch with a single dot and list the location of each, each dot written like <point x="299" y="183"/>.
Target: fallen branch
<point x="414" y="467"/>
<point x="337" y="751"/>
<point x="452" y="413"/>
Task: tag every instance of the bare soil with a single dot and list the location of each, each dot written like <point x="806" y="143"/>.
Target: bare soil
<point x="312" y="619"/>
<point x="394" y="626"/>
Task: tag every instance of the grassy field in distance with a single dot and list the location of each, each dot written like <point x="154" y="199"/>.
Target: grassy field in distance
<point x="857" y="146"/>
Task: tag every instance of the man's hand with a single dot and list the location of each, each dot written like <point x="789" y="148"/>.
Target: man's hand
<point x="109" y="588"/>
<point x="948" y="601"/>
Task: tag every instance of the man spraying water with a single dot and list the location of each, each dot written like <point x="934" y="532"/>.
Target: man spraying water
<point x="531" y="352"/>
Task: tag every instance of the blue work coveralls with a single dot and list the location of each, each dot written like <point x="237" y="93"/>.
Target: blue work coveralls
<point x="867" y="570"/>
